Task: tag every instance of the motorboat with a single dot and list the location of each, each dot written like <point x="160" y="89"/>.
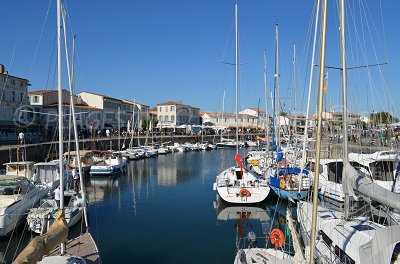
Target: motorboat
<point x="17" y="196"/>
<point x="108" y="163"/>
<point x="86" y="158"/>
<point x="47" y="174"/>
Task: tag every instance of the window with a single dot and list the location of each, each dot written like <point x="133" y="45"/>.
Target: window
<point x="21" y="97"/>
<point x="13" y="82"/>
<point x="172" y="118"/>
<point x="36" y="99"/>
<point x="12" y="96"/>
<point x="172" y="108"/>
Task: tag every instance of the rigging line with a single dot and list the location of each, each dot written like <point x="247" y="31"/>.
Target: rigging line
<point x="25" y="229"/>
<point x="383" y="30"/>
<point x="51" y="61"/>
<point x="383" y="46"/>
<point x="40" y="39"/>
<point x="364" y="56"/>
<point x="380" y="70"/>
<point x="2" y="89"/>
<point x="374" y="52"/>
<point x="306" y="51"/>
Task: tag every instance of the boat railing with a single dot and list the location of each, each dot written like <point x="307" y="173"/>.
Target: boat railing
<point x="263" y="242"/>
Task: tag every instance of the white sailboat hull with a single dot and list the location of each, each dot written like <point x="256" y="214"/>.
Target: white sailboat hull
<point x="245" y="190"/>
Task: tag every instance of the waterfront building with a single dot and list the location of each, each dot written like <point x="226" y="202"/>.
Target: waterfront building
<point x="259" y="113"/>
<point x="172" y="114"/>
<point x="140" y="111"/>
<point x="13" y="99"/>
<point x="229" y="120"/>
<point x="44" y="106"/>
<point x="110" y="106"/>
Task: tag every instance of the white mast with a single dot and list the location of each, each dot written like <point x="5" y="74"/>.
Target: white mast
<point x="266" y="98"/>
<point x="60" y="113"/>
<point x="344" y="97"/>
<point x="319" y="127"/>
<point x="237" y="75"/>
<point x="304" y="155"/>
<point x="71" y="91"/>
<point x="294" y="90"/>
<point x="277" y="102"/>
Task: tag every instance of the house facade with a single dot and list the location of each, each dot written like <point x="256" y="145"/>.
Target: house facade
<point x="172" y="114"/>
<point x="13" y="99"/>
<point x="229" y="120"/>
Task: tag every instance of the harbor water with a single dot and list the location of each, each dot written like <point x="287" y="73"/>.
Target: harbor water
<point x="164" y="210"/>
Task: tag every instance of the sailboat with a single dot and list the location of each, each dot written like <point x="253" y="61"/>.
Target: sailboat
<point x="344" y="238"/>
<point x="237" y="184"/>
<point x="44" y="248"/>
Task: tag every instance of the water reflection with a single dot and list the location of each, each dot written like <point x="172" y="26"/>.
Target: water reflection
<point x="260" y="219"/>
<point x="100" y="188"/>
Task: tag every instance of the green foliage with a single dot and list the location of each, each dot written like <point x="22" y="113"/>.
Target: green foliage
<point x="382" y="118"/>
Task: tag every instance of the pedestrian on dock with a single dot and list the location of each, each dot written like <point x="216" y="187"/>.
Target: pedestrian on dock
<point x="108" y="133"/>
<point x="57" y="196"/>
<point x="21" y="137"/>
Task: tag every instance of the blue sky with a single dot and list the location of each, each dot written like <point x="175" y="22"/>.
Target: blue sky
<point x="154" y="50"/>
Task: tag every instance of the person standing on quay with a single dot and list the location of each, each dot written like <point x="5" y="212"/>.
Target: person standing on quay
<point x="108" y="133"/>
<point x="21" y="137"/>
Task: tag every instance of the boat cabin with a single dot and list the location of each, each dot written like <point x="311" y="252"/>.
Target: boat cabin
<point x="20" y="168"/>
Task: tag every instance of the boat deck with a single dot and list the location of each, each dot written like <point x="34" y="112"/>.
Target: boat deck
<point x="82" y="246"/>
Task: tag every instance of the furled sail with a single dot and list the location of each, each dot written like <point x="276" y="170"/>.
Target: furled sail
<point x="359" y="182"/>
<point x="44" y="244"/>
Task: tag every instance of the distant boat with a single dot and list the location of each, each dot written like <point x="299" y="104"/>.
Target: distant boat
<point x="109" y="163"/>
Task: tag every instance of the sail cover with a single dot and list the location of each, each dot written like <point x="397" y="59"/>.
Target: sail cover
<point x="44" y="244"/>
<point x="349" y="175"/>
<point x="354" y="180"/>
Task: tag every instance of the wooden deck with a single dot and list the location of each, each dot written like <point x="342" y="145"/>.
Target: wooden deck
<point x="82" y="246"/>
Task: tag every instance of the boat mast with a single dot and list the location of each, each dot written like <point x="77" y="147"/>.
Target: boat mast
<point x="60" y="113"/>
<point x="344" y="97"/>
<point x="294" y="90"/>
<point x="237" y="76"/>
<point x="319" y="127"/>
<point x="276" y="88"/>
<point x="304" y="154"/>
<point x="71" y="91"/>
<point x="266" y="98"/>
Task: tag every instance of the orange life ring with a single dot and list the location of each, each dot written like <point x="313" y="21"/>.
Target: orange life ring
<point x="244" y="193"/>
<point x="277" y="238"/>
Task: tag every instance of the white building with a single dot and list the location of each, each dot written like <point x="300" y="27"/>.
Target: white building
<point x="111" y="107"/>
<point x="259" y="113"/>
<point x="175" y="114"/>
<point x="229" y="120"/>
<point x="13" y="98"/>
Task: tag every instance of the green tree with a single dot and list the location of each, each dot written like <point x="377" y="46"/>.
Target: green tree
<point x="382" y="118"/>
